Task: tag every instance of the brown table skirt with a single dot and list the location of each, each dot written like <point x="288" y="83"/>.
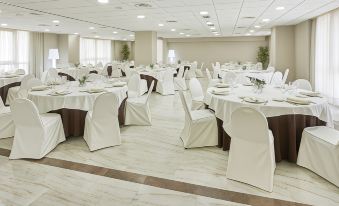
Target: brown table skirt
<point x="149" y="80"/>
<point x="287" y="131"/>
<point x="74" y="120"/>
<point x="4" y="90"/>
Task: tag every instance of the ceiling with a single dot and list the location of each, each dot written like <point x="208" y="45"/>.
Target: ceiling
<point x="230" y="17"/>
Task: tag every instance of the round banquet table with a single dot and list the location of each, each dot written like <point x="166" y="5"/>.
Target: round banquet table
<point x="154" y="75"/>
<point x="259" y="74"/>
<point x="287" y="121"/>
<point x="8" y="82"/>
<point x="74" y="74"/>
<point x="74" y="107"/>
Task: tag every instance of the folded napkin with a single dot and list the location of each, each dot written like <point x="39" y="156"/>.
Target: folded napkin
<point x="310" y="93"/>
<point x="220" y="90"/>
<point x="222" y="85"/>
<point x="119" y="84"/>
<point x="40" y="88"/>
<point x="298" y="100"/>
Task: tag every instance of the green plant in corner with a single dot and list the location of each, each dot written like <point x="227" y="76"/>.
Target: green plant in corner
<point x="263" y="56"/>
<point x="125" y="52"/>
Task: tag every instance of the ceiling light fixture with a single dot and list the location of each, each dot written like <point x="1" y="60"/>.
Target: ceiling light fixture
<point x="266" y="20"/>
<point x="131" y="35"/>
<point x="56" y="21"/>
<point x="76" y="33"/>
<point x="188" y="35"/>
<point x="279" y="8"/>
<point x="140" y="16"/>
<point x="181" y="33"/>
<point x="96" y="36"/>
<point x="47" y="30"/>
<point x="203" y="13"/>
<point x="173" y="29"/>
<point x="212" y="28"/>
<point x="252" y="31"/>
<point x="103" y="1"/>
<point x="160" y="24"/>
<point x="4" y="24"/>
<point x="257" y="26"/>
<point x="209" y="23"/>
<point x="91" y="28"/>
<point x="115" y="32"/>
<point x="124" y="39"/>
<point x="217" y="34"/>
<point x="248" y="34"/>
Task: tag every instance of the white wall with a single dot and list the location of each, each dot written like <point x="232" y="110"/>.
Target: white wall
<point x="74" y="48"/>
<point x="63" y="49"/>
<point x="50" y="42"/>
<point x="211" y="50"/>
<point x="303" y="49"/>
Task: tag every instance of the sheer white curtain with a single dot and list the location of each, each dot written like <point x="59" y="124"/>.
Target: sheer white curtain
<point x="93" y="51"/>
<point x="14" y="50"/>
<point x="326" y="64"/>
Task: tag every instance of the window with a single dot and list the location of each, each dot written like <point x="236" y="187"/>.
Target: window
<point x="327" y="56"/>
<point x="14" y="50"/>
<point x="93" y="51"/>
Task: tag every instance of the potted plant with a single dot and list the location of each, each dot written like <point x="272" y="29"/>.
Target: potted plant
<point x="125" y="52"/>
<point x="263" y="56"/>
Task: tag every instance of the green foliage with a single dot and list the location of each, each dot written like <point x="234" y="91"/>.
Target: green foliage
<point x="263" y="56"/>
<point x="125" y="52"/>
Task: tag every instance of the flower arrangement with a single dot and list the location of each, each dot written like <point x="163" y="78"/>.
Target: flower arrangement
<point x="258" y="84"/>
<point x="82" y="80"/>
<point x="77" y="65"/>
<point x="151" y="66"/>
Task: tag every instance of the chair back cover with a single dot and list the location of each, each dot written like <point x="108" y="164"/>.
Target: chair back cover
<point x="25" y="114"/>
<point x="195" y="88"/>
<point x="303" y="84"/>
<point x="168" y="77"/>
<point x="285" y="76"/>
<point x="185" y="105"/>
<point x="95" y="77"/>
<point x="128" y="72"/>
<point x="20" y="71"/>
<point x="25" y="80"/>
<point x="1" y="103"/>
<point x="216" y="71"/>
<point x="209" y="76"/>
<point x="202" y="65"/>
<point x="229" y="77"/>
<point x="134" y="83"/>
<point x="150" y="91"/>
<point x="105" y="106"/>
<point x="181" y="72"/>
<point x="34" y="82"/>
<point x="276" y="78"/>
<point x="255" y="123"/>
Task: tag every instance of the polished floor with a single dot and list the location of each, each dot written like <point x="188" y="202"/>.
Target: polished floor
<point x="151" y="167"/>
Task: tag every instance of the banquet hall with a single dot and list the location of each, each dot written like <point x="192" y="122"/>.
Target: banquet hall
<point x="159" y="102"/>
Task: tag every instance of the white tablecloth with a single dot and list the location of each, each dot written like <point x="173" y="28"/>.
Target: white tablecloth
<point x="224" y="105"/>
<point x="76" y="100"/>
<point x="259" y="74"/>
<point x="7" y="81"/>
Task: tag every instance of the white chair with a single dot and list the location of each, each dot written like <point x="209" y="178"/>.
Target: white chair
<point x="102" y="124"/>
<point x="284" y="79"/>
<point x="251" y="157"/>
<point x="200" y="128"/>
<point x="96" y="77"/>
<point x="137" y="109"/>
<point x="13" y="92"/>
<point x="35" y="134"/>
<point x="20" y="72"/>
<point x="192" y="70"/>
<point x="34" y="82"/>
<point x="258" y="66"/>
<point x="319" y="152"/>
<point x="216" y="72"/>
<point x="211" y="82"/>
<point x="50" y="75"/>
<point x="229" y="78"/>
<point x="165" y="86"/>
<point x="199" y="72"/>
<point x="197" y="94"/>
<point x="179" y="80"/>
<point x="136" y="85"/>
<point x="99" y="65"/>
<point x="276" y="78"/>
<point x="116" y="72"/>
<point x="303" y="84"/>
<point x="242" y="79"/>
<point x="6" y="122"/>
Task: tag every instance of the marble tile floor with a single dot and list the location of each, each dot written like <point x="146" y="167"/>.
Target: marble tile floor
<point x="157" y="151"/>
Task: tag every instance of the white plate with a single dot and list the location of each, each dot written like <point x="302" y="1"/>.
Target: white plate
<point x="40" y="88"/>
<point x="220" y="92"/>
<point x="310" y="94"/>
<point x="254" y="100"/>
<point x="60" y="93"/>
<point x="222" y="85"/>
<point x="248" y="84"/>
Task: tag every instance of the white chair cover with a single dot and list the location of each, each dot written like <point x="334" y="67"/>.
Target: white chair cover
<point x="199" y="72"/>
<point x="99" y="65"/>
<point x="200" y="128"/>
<point x="102" y="125"/>
<point x="165" y="86"/>
<point x="216" y="71"/>
<point x="276" y="78"/>
<point x="319" y="152"/>
<point x="13" y="92"/>
<point x="303" y="84"/>
<point x="229" y="78"/>
<point x="6" y="123"/>
<point x="33" y="83"/>
<point x="251" y="157"/>
<point x="179" y="80"/>
<point x="20" y="71"/>
<point x="284" y="79"/>
<point x="243" y="79"/>
<point x="35" y="135"/>
<point x="138" y="111"/>
<point x="191" y="73"/>
<point x="211" y="82"/>
<point x="197" y="94"/>
<point x="96" y="77"/>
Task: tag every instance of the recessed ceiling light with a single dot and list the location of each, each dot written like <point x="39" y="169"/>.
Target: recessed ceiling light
<point x="279" y="8"/>
<point x="160" y="24"/>
<point x="188" y="35"/>
<point x="181" y="33"/>
<point x="91" y="28"/>
<point x="216" y="34"/>
<point x="248" y="34"/>
<point x="203" y="13"/>
<point x="252" y="31"/>
<point x="173" y="29"/>
<point x="140" y="16"/>
<point x="56" y="21"/>
<point x="4" y="24"/>
<point x="124" y="39"/>
<point x="115" y="32"/>
<point x="212" y="28"/>
<point x="209" y="23"/>
<point x="103" y="1"/>
<point x="47" y="30"/>
<point x="131" y="35"/>
<point x="266" y="20"/>
<point x="76" y="33"/>
<point x="257" y="26"/>
<point x="96" y="36"/>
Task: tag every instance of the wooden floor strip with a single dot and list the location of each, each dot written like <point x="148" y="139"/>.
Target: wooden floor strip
<point x="162" y="183"/>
